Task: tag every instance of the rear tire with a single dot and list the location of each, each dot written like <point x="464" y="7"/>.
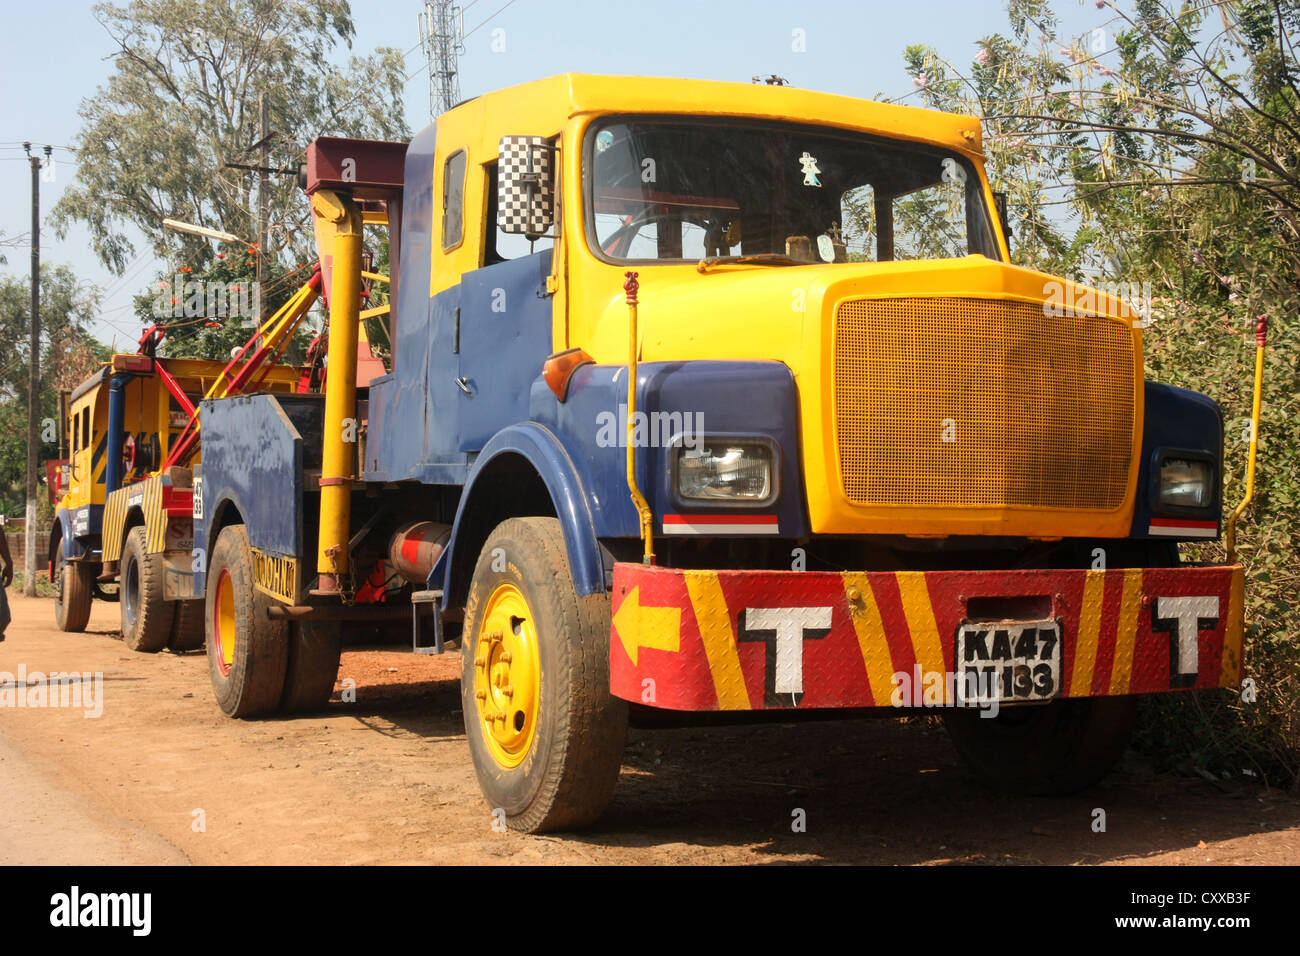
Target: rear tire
<point x="313" y="666"/>
<point x="75" y="583"/>
<point x="1057" y="748"/>
<point x="146" y="613"/>
<point x="545" y="733"/>
<point x="188" y="627"/>
<point x="247" y="651"/>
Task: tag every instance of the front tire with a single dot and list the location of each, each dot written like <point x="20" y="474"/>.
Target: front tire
<point x="146" y="613"/>
<point x="74" y="583"/>
<point x="247" y="651"/>
<point x="1044" y="749"/>
<point x="545" y="733"/>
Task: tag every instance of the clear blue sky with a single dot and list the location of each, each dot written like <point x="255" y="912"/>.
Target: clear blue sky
<point x="53" y="54"/>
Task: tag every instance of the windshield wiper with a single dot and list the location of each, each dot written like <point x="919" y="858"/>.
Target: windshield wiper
<point x="768" y="258"/>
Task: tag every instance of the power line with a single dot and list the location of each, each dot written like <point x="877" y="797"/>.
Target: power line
<point x="509" y="3"/>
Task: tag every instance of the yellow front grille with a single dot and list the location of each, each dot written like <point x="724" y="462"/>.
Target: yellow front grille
<point x="981" y="403"/>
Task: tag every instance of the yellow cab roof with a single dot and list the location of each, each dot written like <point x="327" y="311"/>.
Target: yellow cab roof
<point x="542" y="107"/>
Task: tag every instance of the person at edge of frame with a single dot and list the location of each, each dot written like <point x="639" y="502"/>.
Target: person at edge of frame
<point x="6" y="578"/>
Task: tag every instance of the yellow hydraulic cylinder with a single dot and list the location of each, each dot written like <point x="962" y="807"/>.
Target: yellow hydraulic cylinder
<point x="1261" y="339"/>
<point x="338" y="453"/>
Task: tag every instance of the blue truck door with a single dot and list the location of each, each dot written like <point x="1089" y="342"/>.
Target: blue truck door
<point x="505" y="337"/>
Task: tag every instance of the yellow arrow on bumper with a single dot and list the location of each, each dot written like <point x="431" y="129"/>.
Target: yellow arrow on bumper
<point x="658" y="628"/>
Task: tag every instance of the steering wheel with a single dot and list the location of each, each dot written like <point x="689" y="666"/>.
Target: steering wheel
<point x="610" y="244"/>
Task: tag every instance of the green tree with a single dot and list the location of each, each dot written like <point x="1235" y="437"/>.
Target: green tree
<point x="211" y="313"/>
<point x="1161" y="147"/>
<point x="69" y="353"/>
<point x="183" y="100"/>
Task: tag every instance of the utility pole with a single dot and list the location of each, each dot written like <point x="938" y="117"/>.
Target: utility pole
<point x="442" y="31"/>
<point x="34" y="386"/>
<point x="263" y="205"/>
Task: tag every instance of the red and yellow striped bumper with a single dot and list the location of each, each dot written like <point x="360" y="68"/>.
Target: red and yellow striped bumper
<point x="750" y="640"/>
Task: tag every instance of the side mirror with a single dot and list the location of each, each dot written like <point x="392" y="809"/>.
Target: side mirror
<point x="1000" y="200"/>
<point x="525" y="192"/>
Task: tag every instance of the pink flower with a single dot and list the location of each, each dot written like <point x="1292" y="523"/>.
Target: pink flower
<point x="1107" y="71"/>
<point x="983" y="56"/>
<point x="1101" y="4"/>
<point x="921" y="79"/>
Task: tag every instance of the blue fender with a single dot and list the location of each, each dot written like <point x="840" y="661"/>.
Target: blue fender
<point x="539" y="446"/>
<point x="72" y="548"/>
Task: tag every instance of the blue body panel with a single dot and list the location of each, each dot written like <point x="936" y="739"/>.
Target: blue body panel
<point x="1177" y="420"/>
<point x="567" y="445"/>
<point x="543" y="451"/>
<point x="505" y="337"/>
<point x="258" y="471"/>
<point x="733" y="398"/>
<point x="412" y="432"/>
<point x="116" y="425"/>
<point x="77" y="527"/>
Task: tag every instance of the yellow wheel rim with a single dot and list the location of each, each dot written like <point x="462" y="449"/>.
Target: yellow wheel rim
<point x="223" y="623"/>
<point x="507" y="676"/>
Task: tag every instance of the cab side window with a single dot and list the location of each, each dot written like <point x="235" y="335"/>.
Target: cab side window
<point x="502" y="246"/>
<point x="453" y="200"/>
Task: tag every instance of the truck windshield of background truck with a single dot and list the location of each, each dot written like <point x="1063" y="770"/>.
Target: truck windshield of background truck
<point x="676" y="190"/>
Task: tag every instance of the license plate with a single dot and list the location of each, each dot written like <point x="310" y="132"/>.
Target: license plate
<point x="1008" y="661"/>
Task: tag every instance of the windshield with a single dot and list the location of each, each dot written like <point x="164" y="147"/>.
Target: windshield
<point x="677" y="190"/>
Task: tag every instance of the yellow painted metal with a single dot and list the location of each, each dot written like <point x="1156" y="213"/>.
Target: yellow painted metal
<point x="870" y="629"/>
<point x="1230" y="666"/>
<point x="375" y="277"/>
<point x="638" y="625"/>
<point x="276" y="575"/>
<point x="275" y="333"/>
<point x="644" y="514"/>
<point x="719" y="639"/>
<point x="1089" y="637"/>
<point x="974" y="402"/>
<point x="508" y="676"/>
<point x="919" y="612"/>
<point x="377" y="310"/>
<point x="338" y="453"/>
<point x="224" y="624"/>
<point x="1121" y="673"/>
<point x="1230" y="536"/>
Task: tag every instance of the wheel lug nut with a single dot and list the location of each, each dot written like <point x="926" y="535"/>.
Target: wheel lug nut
<point x="481" y="695"/>
<point x="480" y="661"/>
<point x="508" y="690"/>
<point x="505" y="656"/>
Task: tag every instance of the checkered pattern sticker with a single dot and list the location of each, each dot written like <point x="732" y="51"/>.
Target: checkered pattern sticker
<point x="524" y="189"/>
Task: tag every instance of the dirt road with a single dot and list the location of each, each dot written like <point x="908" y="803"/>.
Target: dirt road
<point x="160" y="776"/>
